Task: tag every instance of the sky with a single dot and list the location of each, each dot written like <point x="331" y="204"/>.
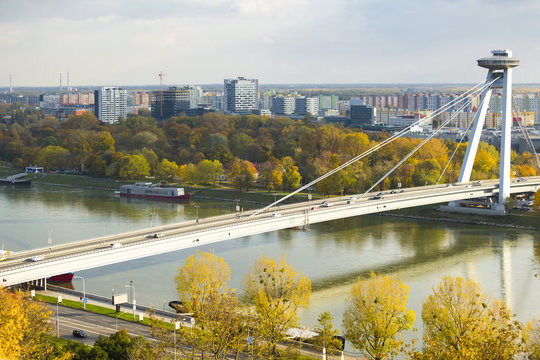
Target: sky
<point x="121" y="42"/>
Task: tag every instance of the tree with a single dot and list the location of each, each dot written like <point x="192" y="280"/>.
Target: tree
<point x="376" y="315"/>
<point x="461" y="322"/>
<point x="166" y="170"/>
<point x="133" y="167"/>
<point x="531" y="338"/>
<point x="121" y="345"/>
<point x="271" y="175"/>
<point x="23" y="325"/>
<point x="202" y="288"/>
<point x="202" y="275"/>
<point x="242" y="174"/>
<point x="291" y="176"/>
<point x="277" y="292"/>
<point x="326" y="331"/>
<point x="54" y="157"/>
<point x="537" y="199"/>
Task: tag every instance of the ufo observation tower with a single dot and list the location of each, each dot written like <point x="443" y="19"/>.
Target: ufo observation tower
<point x="499" y="66"/>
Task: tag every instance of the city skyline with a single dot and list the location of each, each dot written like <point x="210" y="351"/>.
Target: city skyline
<point x="275" y="41"/>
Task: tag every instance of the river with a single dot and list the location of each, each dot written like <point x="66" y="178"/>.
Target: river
<point x="331" y="254"/>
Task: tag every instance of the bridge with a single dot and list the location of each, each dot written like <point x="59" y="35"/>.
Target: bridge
<point x="38" y="264"/>
<point x="19" y="267"/>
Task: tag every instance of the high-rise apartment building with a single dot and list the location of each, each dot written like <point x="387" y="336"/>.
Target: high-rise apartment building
<point x="307" y="105"/>
<point x="174" y="101"/>
<point x="241" y="95"/>
<point x="110" y="103"/>
<point x="361" y="114"/>
<point x="283" y="105"/>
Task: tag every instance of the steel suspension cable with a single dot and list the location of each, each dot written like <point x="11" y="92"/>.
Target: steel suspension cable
<point x="414" y="150"/>
<point x="385" y="142"/>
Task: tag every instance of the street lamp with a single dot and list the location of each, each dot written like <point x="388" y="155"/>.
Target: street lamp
<point x="176" y="327"/>
<point x="275" y="197"/>
<point x="134" y="302"/>
<point x="84" y="290"/>
<point x="196" y="213"/>
<point x="58" y="301"/>
<point x="116" y="321"/>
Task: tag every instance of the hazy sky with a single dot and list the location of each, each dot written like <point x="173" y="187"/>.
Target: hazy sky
<point x="121" y="42"/>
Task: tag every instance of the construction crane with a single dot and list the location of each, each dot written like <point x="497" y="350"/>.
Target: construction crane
<point x="161" y="75"/>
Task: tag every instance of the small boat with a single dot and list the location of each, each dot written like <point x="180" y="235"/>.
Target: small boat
<point x="11" y="181"/>
<point x="61" y="278"/>
<point x="153" y="191"/>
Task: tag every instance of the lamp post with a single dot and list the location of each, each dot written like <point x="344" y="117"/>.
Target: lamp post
<point x="275" y="197"/>
<point x="116" y="321"/>
<point x="133" y="301"/>
<point x="176" y="327"/>
<point x="84" y="290"/>
<point x="196" y="213"/>
<point x="58" y="301"/>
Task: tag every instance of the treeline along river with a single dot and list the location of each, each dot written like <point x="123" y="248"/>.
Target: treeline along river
<point x="331" y="254"/>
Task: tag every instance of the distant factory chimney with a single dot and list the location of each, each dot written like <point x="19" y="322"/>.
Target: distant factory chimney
<point x="60" y="81"/>
<point x="10" y="85"/>
<point x="68" y="89"/>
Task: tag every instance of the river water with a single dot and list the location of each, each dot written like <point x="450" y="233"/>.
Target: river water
<point x="331" y="254"/>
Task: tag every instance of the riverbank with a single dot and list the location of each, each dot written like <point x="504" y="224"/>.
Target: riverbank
<point x="222" y="193"/>
<point x="526" y="220"/>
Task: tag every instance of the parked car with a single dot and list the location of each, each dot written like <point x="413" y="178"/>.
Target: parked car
<point x="78" y="333"/>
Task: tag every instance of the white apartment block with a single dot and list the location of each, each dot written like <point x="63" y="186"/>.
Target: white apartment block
<point x="110" y="103"/>
<point x="241" y="95"/>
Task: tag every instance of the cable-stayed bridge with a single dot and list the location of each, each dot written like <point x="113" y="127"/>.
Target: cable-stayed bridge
<point x="81" y="255"/>
<point x="19" y="267"/>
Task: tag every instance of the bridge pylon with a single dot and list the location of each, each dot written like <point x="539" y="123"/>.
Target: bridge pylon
<point x="499" y="66"/>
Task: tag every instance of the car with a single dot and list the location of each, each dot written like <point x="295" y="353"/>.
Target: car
<point x="78" y="333"/>
<point x="522" y="180"/>
<point x="393" y="191"/>
<point x="448" y="185"/>
<point x="36" y="258"/>
<point x="326" y="204"/>
<point x="351" y="199"/>
<point x="376" y="197"/>
<point x="116" y="245"/>
<point x="154" y="236"/>
<point x="379" y="194"/>
<point x="276" y="215"/>
<point x="401" y="191"/>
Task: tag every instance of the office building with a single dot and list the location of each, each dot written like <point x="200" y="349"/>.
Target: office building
<point x="110" y="103"/>
<point x="241" y="96"/>
<point x="305" y="105"/>
<point x="283" y="105"/>
<point x="175" y="101"/>
<point x="361" y="114"/>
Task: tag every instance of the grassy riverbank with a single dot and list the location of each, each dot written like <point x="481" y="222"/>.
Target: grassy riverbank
<point x="224" y="192"/>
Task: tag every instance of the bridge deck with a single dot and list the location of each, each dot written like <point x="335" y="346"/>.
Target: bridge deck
<point x="92" y="253"/>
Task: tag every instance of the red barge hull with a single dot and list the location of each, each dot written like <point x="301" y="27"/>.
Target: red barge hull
<point x="61" y="278"/>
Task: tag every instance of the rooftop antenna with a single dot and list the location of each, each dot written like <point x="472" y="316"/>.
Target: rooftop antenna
<point x="161" y="75"/>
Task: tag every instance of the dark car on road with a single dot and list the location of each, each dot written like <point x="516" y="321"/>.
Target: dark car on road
<point x="79" y="333"/>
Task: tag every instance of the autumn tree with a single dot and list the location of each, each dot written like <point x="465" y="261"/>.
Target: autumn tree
<point x="190" y="174"/>
<point x="23" y="326"/>
<point x="271" y="175"/>
<point x="242" y="174"/>
<point x="376" y="315"/>
<point x="166" y="170"/>
<point x="202" y="288"/>
<point x="291" y="176"/>
<point x="133" y="167"/>
<point x="326" y="331"/>
<point x="54" y="157"/>
<point x="462" y="322"/>
<point x="277" y="292"/>
<point x="531" y="338"/>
